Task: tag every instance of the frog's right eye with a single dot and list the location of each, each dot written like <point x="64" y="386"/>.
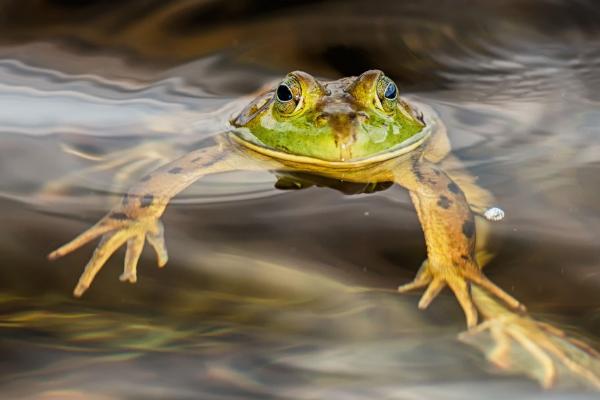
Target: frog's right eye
<point x="288" y="95"/>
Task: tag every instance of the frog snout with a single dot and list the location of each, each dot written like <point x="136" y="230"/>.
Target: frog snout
<point x="337" y="118"/>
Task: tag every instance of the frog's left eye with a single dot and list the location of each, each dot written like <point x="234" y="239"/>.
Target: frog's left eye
<point x="288" y="95"/>
<point x="387" y="92"/>
<point x="284" y="93"/>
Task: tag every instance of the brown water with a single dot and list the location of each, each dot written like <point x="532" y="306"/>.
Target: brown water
<point x="285" y="294"/>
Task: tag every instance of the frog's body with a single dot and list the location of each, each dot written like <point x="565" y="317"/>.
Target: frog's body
<point x="357" y="131"/>
<point x="350" y="130"/>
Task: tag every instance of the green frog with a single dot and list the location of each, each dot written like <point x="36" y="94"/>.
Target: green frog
<point x="357" y="130"/>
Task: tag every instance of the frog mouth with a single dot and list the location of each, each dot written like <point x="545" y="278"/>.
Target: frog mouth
<point x="344" y="139"/>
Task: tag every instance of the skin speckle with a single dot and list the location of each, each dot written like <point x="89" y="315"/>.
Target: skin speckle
<point x="119" y="216"/>
<point x="202" y="161"/>
<point x="444" y="202"/>
<point x="453" y="187"/>
<point x="175" y="170"/>
<point x="147" y="200"/>
<point x="418" y="174"/>
<point x="468" y="229"/>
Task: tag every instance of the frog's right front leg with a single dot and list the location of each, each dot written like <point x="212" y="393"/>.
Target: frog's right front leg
<point x="136" y="218"/>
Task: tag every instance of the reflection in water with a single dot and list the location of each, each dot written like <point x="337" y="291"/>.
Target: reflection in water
<point x="261" y="299"/>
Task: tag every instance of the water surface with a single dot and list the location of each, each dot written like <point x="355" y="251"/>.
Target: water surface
<point x="274" y="294"/>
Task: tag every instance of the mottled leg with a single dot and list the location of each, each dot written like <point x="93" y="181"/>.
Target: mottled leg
<point x="449" y="229"/>
<point x="511" y="331"/>
<point x="136" y="218"/>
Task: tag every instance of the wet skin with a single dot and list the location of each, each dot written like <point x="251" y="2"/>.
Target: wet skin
<point x="352" y="130"/>
<point x="356" y="132"/>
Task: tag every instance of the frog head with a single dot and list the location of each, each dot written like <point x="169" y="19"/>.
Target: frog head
<point x="347" y="119"/>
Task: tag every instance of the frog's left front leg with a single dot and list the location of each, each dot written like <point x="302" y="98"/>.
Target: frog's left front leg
<point x="449" y="228"/>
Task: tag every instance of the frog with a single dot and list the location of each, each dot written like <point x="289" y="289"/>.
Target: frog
<point x="356" y="131"/>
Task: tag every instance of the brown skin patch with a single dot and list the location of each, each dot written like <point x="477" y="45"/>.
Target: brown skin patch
<point x="146" y="201"/>
<point x="453" y="187"/>
<point x="119" y="216"/>
<point x="206" y="162"/>
<point x="444" y="202"/>
<point x="468" y="229"/>
<point x="418" y="174"/>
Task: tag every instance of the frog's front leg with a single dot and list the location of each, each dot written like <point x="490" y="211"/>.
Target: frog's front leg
<point x="449" y="228"/>
<point x="136" y="218"/>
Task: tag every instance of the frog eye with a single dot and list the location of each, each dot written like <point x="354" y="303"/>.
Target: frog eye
<point x="284" y="93"/>
<point x="390" y="91"/>
<point x="288" y="95"/>
<point x="387" y="92"/>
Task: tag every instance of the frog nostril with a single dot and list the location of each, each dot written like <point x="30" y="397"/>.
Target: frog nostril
<point x="362" y="115"/>
<point x="321" y="119"/>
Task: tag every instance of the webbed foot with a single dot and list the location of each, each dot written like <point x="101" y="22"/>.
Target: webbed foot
<point x="522" y="344"/>
<point x="458" y="279"/>
<point x="116" y="229"/>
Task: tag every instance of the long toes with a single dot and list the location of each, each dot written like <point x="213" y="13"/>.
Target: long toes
<point x="461" y="291"/>
<point x="80" y="289"/>
<point x="157" y="241"/>
<point x="108" y="245"/>
<point x="549" y="372"/>
<point x="414" y="285"/>
<point x="500" y="353"/>
<point x="132" y="256"/>
<point x="422" y="279"/>
<point x="434" y="288"/>
<point x="81" y="240"/>
<point x="481" y="280"/>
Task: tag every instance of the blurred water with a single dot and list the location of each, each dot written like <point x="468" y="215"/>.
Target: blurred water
<point x="261" y="299"/>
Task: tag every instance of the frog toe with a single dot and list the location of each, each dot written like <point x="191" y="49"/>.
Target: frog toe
<point x="460" y="287"/>
<point x="422" y="279"/>
<point x="132" y="256"/>
<point x="97" y="230"/>
<point x="108" y="245"/>
<point x="435" y="287"/>
<point x="156" y="239"/>
<point x="477" y="277"/>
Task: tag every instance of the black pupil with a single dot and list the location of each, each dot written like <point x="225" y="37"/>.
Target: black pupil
<point x="390" y="91"/>
<point x="284" y="93"/>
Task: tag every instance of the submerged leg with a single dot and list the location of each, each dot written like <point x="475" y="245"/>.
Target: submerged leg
<point x="136" y="218"/>
<point x="510" y="330"/>
<point x="450" y="235"/>
<point x="126" y="162"/>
